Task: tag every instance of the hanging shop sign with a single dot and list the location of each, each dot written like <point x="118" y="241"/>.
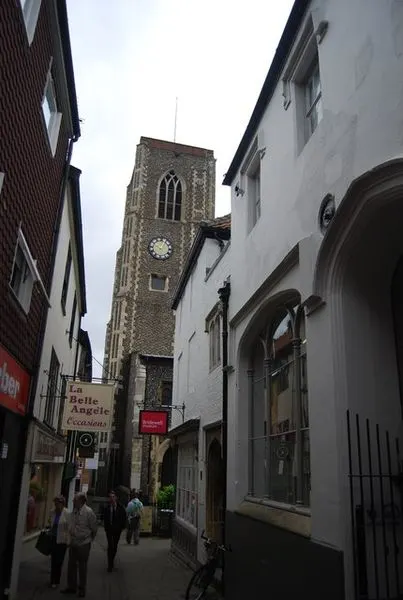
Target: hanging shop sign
<point x="88" y="407"/>
<point x="14" y="384"/>
<point x="47" y="448"/>
<point x="154" y="422"/>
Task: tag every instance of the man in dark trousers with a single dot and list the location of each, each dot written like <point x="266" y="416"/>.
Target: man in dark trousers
<point x="114" y="523"/>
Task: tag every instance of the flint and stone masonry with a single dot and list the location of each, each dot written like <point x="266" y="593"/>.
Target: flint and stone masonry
<point x="142" y="321"/>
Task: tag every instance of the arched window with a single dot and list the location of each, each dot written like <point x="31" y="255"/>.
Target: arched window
<point x="278" y="401"/>
<point x="170" y="197"/>
<point x="214" y="330"/>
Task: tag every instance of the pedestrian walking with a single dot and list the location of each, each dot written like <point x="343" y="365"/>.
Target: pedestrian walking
<point x="83" y="529"/>
<point x="114" y="523"/>
<point x="59" y="523"/>
<point x="134" y="510"/>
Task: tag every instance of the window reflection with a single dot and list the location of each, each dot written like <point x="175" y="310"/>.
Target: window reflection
<point x="279" y="413"/>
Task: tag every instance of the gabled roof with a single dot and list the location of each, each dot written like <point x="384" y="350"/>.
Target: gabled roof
<point x="283" y="49"/>
<point x="219" y="229"/>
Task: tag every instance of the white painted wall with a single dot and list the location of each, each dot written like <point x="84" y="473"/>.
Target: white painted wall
<point x="361" y="66"/>
<point x="361" y="62"/>
<point x="194" y="384"/>
<point x="58" y="324"/>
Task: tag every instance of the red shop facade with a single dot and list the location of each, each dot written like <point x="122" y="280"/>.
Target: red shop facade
<point x="14" y="396"/>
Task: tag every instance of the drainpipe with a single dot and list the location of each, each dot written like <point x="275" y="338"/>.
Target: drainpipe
<point x="224" y="294"/>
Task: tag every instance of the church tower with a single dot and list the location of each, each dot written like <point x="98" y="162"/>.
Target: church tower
<point x="171" y="190"/>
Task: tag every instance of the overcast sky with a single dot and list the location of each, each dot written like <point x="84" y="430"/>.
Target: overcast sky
<point x="132" y="58"/>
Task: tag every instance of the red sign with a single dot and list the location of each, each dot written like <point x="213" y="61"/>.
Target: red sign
<point x="154" y="422"/>
<point x="14" y="384"/>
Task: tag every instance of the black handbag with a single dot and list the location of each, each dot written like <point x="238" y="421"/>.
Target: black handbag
<point x="44" y="542"/>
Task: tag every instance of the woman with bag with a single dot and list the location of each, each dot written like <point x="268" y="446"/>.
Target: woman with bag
<point x="59" y="521"/>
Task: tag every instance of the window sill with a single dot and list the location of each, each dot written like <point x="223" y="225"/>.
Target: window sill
<point x="284" y="516"/>
<point x="170" y="220"/>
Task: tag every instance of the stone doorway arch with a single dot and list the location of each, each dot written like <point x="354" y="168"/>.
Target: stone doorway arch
<point x="215" y="491"/>
<point x="168" y="468"/>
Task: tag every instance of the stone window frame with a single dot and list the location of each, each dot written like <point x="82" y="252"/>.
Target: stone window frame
<point x="296" y="314"/>
<point x="213" y="328"/>
<point x="159" y="276"/>
<point x="170" y="174"/>
<point x="303" y="60"/>
<point x="251" y="180"/>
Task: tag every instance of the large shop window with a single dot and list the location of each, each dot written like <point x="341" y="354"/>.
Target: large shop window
<point x="187" y="484"/>
<point x="279" y="460"/>
<point x="38" y="499"/>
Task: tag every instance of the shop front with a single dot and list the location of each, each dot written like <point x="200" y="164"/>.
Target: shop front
<point x="45" y="481"/>
<point x="14" y="394"/>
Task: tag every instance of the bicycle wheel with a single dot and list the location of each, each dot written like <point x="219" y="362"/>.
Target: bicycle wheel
<point x="198" y="584"/>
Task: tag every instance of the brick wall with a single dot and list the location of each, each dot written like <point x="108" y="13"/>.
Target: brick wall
<point x="31" y="192"/>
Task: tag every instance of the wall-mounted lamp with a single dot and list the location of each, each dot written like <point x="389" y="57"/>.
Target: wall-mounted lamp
<point x="239" y="191"/>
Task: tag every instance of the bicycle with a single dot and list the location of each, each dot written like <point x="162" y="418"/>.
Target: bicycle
<point x="204" y="576"/>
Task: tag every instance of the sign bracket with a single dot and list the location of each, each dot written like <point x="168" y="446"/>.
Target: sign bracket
<point x="179" y="407"/>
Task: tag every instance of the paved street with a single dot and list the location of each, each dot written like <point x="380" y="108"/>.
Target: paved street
<point x="144" y="572"/>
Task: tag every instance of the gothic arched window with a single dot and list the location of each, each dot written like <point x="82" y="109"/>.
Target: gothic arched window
<point x="279" y="422"/>
<point x="170" y="198"/>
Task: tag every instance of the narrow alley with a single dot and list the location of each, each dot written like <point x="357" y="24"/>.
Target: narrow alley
<point x="147" y="572"/>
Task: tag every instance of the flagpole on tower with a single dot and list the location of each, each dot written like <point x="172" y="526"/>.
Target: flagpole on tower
<point x="176" y="117"/>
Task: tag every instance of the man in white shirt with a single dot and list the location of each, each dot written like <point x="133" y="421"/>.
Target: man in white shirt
<point x="83" y="529"/>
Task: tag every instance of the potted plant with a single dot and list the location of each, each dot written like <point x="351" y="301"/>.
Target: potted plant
<point x="166" y="497"/>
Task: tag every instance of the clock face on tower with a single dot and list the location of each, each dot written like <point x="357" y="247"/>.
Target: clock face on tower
<point x="160" y="248"/>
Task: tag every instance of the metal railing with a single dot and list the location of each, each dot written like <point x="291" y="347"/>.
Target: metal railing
<point x="376" y="504"/>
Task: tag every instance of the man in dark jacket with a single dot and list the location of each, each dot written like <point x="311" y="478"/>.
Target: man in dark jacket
<point x="114" y="523"/>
